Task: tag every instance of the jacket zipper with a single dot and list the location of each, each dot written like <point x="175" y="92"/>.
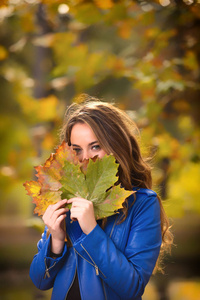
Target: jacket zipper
<point x="71" y="284"/>
<point x="96" y="267"/>
<point x="74" y="275"/>
<point x="102" y="282"/>
<point x="47" y="275"/>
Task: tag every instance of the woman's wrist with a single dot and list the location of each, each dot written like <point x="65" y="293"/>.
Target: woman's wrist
<point x="57" y="247"/>
<point x="91" y="227"/>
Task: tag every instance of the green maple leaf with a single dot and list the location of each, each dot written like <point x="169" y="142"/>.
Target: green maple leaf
<point x="73" y="181"/>
<point x="100" y="179"/>
<point x="100" y="176"/>
<point x="63" y="176"/>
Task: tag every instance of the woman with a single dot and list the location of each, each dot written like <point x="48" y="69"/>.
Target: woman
<point x="114" y="258"/>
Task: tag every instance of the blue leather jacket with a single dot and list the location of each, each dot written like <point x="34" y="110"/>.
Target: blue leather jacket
<point x="114" y="263"/>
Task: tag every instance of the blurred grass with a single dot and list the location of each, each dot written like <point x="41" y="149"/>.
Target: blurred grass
<point x="27" y="292"/>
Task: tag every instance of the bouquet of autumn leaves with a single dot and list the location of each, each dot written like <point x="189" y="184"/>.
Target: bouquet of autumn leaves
<point x="63" y="177"/>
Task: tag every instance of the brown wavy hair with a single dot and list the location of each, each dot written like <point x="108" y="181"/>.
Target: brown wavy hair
<point x="117" y="134"/>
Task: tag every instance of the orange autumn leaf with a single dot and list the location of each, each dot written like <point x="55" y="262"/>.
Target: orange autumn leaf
<point x="45" y="190"/>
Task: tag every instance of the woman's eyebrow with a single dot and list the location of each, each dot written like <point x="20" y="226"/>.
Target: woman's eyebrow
<point x="95" y="142"/>
<point x="90" y="144"/>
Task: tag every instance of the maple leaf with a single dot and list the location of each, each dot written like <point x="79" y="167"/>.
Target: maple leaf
<point x="63" y="177"/>
<point x="73" y="181"/>
<point x="100" y="176"/>
<point x="46" y="190"/>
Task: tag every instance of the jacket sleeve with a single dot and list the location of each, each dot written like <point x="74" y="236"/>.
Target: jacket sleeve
<point x="44" y="269"/>
<point x="127" y="272"/>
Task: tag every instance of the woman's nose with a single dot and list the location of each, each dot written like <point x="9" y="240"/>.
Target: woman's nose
<point x="85" y="155"/>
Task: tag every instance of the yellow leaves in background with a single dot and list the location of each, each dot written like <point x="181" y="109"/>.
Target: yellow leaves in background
<point x="186" y="124"/>
<point x="87" y="13"/>
<point x="65" y="54"/>
<point x="27" y="21"/>
<point x="183" y="190"/>
<point x="151" y="292"/>
<point x="47" y="108"/>
<point x="106" y="4"/>
<point x="177" y="290"/>
<point x="183" y="170"/>
<point x="50" y="2"/>
<point x="190" y="61"/>
<point x="3" y="53"/>
<point x="3" y="3"/>
<point x="168" y="146"/>
<point x="80" y="64"/>
<point x="182" y="105"/>
<point x="49" y="141"/>
<point x="125" y="29"/>
<point x="186" y="290"/>
<point x="39" y="110"/>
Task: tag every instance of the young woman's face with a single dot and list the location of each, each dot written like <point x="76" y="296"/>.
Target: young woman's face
<point x="84" y="142"/>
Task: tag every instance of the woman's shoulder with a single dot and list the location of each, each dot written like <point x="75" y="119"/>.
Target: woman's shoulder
<point x="142" y="197"/>
<point x="141" y="192"/>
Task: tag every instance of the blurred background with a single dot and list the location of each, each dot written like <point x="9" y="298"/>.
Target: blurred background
<point x="143" y="55"/>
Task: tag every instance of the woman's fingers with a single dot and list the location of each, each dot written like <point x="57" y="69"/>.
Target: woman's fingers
<point x="51" y="209"/>
<point x="58" y="213"/>
<point x="83" y="211"/>
<point x="53" y="218"/>
<point x="60" y="219"/>
<point x="59" y="204"/>
<point x="54" y="215"/>
<point x="80" y="202"/>
<point x="80" y="208"/>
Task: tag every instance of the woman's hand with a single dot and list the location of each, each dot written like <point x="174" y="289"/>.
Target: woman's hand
<point x="53" y="218"/>
<point x="83" y="211"/>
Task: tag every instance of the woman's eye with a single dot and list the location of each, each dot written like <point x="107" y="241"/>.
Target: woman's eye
<point x="77" y="150"/>
<point x="96" y="147"/>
